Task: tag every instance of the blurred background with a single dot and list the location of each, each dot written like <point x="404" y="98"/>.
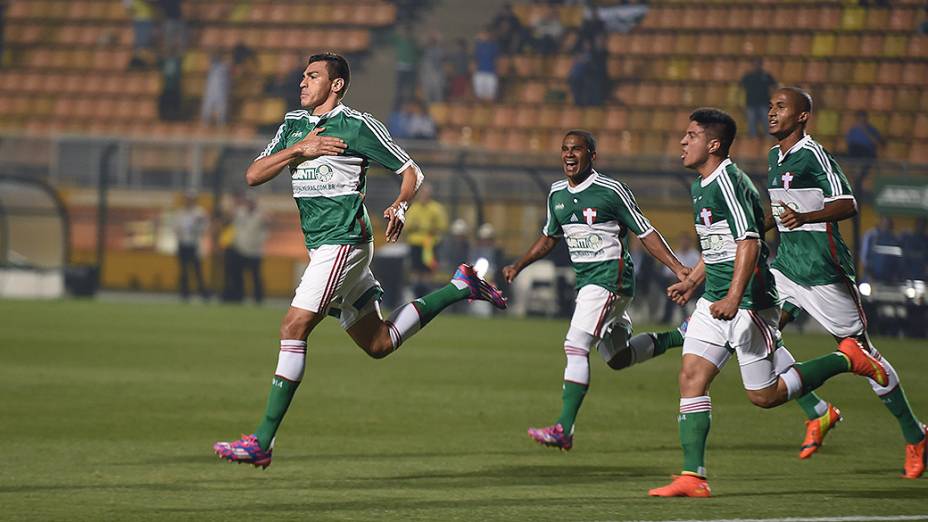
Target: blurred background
<point x="126" y="127"/>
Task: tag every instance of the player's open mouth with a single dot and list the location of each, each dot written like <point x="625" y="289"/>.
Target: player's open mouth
<point x="570" y="164"/>
<point x="771" y="123"/>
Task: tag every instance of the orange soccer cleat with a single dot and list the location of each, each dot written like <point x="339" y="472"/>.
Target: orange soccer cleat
<point x="816" y="429"/>
<point x="683" y="486"/>
<point x="862" y="363"/>
<point x="915" y="457"/>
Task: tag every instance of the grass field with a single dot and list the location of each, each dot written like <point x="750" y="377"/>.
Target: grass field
<point x="109" y="410"/>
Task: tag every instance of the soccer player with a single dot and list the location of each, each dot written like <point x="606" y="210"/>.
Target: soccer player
<point x="814" y="270"/>
<point x="595" y="214"/>
<point x="739" y="306"/>
<point x="327" y="148"/>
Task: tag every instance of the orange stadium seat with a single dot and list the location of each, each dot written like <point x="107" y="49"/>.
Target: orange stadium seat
<point x="920" y="130"/>
<point x="907" y="99"/>
<point x="914" y="73"/>
<point x="799" y="45"/>
<point x="902" y="19"/>
<point x="918" y="152"/>
<point x="864" y="72"/>
<point x="876" y="19"/>
<point x="901" y="125"/>
<point x="526" y="117"/>
<point x="918" y="46"/>
<point x="616" y="118"/>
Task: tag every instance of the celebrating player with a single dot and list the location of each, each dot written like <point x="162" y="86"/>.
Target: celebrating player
<point x="327" y="148"/>
<point x="814" y="270"/>
<point x="739" y="306"/>
<point x="595" y="213"/>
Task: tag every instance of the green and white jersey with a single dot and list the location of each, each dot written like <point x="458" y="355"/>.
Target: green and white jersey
<point x="805" y="178"/>
<point x="727" y="209"/>
<point x="594" y="218"/>
<point x="329" y="190"/>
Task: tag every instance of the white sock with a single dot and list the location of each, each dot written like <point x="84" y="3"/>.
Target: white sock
<point x="403" y="323"/>
<point x="291" y="362"/>
<point x="695" y="404"/>
<point x="793" y="383"/>
<point x="578" y="365"/>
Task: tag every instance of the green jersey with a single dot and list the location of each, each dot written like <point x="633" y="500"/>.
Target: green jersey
<point x="329" y="190"/>
<point x="727" y="209"/>
<point x="805" y="178"/>
<point x="594" y="218"/>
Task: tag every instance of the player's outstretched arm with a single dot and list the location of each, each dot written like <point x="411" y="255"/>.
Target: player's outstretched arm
<point x="683" y="291"/>
<point x="745" y="261"/>
<point x="836" y="210"/>
<point x="542" y="247"/>
<point x="312" y="146"/>
<point x="655" y="244"/>
<point x="395" y="214"/>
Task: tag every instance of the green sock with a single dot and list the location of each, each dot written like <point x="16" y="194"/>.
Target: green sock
<point x="669" y="339"/>
<point x="896" y="402"/>
<point x="694" y="430"/>
<point x="433" y="303"/>
<point x="278" y="401"/>
<point x="816" y="371"/>
<point x="572" y="399"/>
<point x="808" y="403"/>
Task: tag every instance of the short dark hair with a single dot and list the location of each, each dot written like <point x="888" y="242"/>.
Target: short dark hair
<point x="587" y="137"/>
<point x="718" y="124"/>
<point x="802" y="97"/>
<point x="336" y="65"/>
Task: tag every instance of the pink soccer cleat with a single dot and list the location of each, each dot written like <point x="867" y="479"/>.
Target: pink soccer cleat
<point x="244" y="450"/>
<point x="480" y="290"/>
<point x="552" y="436"/>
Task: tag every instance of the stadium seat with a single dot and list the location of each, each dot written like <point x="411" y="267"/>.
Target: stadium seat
<point x="918" y="46"/>
<point x="901" y="125"/>
<point x="920" y="129"/>
<point x="918" y="152"/>
<point x="864" y="72"/>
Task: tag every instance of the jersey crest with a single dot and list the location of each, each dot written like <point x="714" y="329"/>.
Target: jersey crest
<point x="590" y="215"/>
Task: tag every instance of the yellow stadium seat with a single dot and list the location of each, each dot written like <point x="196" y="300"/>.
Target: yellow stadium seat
<point x="593" y="118"/>
<point x="840" y="71"/>
<point x="907" y="99"/>
<point x="823" y="44"/>
<point x="847" y="44"/>
<point x="853" y="18"/>
<point x="864" y="72"/>
<point x="895" y="45"/>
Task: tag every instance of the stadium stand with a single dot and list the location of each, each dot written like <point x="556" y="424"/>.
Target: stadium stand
<point x="852" y="58"/>
<point x="83" y="49"/>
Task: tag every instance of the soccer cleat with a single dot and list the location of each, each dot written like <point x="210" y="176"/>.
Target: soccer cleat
<point x="862" y="363"/>
<point x="683" y="486"/>
<point x="552" y="436"/>
<point x="244" y="450"/>
<point x="915" y="457"/>
<point x="816" y="429"/>
<point x="480" y="290"/>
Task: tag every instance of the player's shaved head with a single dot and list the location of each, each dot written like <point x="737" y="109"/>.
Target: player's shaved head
<point x="587" y="137"/>
<point x="799" y="98"/>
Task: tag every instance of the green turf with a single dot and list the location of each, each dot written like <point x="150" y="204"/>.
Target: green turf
<point x="108" y="412"/>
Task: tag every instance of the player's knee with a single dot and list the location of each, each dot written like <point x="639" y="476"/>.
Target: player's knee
<point x="379" y="346"/>
<point x="295" y="327"/>
<point x="764" y="398"/>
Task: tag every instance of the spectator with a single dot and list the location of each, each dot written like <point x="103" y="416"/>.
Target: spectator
<point x="881" y="253"/>
<point x="547" y="31"/>
<point x="246" y="77"/>
<point x="407" y="63"/>
<point x="756" y="84"/>
<point x="592" y="30"/>
<point x="170" y="103"/>
<point x="863" y="140"/>
<point x="285" y="84"/>
<point x="688" y="255"/>
<point x="173" y="27"/>
<point x="421" y="126"/>
<point x="588" y="78"/>
<point x="3" y="6"/>
<point x="915" y="251"/>
<point x="456" y="247"/>
<point x="426" y="224"/>
<point x="486" y="52"/>
<point x="215" y="106"/>
<point x="432" y="70"/>
<point x="398" y="123"/>
<point x="510" y="34"/>
<point x="459" y="71"/>
<point x="143" y="25"/>
<point x="250" y="233"/>
<point x="189" y="224"/>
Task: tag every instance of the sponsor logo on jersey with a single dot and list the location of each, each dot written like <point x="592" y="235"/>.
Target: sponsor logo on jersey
<point x="559" y="206"/>
<point x="322" y="173"/>
<point x="776" y="207"/>
<point x="588" y="245"/>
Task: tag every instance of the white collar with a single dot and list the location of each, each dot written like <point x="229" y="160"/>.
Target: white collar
<point x="583" y="186"/>
<point x="315" y="119"/>
<point x="799" y="144"/>
<point x="715" y="173"/>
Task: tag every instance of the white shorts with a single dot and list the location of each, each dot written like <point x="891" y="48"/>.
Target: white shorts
<point x="835" y="306"/>
<point x="598" y="311"/>
<point x="338" y="281"/>
<point x="752" y="335"/>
